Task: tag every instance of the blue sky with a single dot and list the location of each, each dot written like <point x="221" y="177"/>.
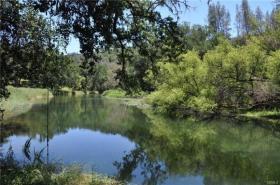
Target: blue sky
<point x="197" y="14"/>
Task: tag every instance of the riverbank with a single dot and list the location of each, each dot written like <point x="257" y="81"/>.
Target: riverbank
<point x="22" y="99"/>
<point x="69" y="91"/>
<point x="14" y="173"/>
<point x="136" y="100"/>
<point x="267" y="116"/>
<point x="98" y="179"/>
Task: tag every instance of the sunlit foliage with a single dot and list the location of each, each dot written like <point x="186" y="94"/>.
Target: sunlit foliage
<point x="228" y="77"/>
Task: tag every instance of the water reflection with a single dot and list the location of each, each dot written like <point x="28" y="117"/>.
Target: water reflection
<point x="144" y="148"/>
<point x="153" y="171"/>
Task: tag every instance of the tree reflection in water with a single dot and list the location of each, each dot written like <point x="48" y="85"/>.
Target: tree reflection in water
<point x="152" y="171"/>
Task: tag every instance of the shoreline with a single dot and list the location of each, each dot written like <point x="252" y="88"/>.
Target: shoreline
<point x="134" y="102"/>
<point x="266" y="116"/>
<point x="23" y="99"/>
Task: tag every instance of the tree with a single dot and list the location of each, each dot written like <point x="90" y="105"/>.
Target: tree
<point x="235" y="73"/>
<point x="58" y="71"/>
<point x="99" y="78"/>
<point x="246" y="21"/>
<point x="260" y="20"/>
<point x="238" y="21"/>
<point x="181" y="85"/>
<point x="246" y="17"/>
<point x="164" y="44"/>
<point x="219" y="19"/>
<point x="228" y="78"/>
<point x="30" y="49"/>
<point x="9" y="21"/>
<point x="100" y="25"/>
<point x="271" y="36"/>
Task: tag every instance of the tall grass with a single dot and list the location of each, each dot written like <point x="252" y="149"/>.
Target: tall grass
<point x="36" y="172"/>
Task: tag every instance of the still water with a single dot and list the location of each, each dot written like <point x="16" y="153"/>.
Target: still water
<point x="141" y="147"/>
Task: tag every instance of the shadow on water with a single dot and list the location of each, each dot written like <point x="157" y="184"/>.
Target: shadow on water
<point x="144" y="148"/>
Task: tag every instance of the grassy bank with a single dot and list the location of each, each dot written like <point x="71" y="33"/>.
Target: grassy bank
<point x="37" y="173"/>
<point x="22" y="99"/>
<point x="115" y="93"/>
<point x="69" y="91"/>
<point x="98" y="179"/>
<point x="137" y="100"/>
<point x="119" y="93"/>
<point x="73" y="177"/>
<point x="34" y="170"/>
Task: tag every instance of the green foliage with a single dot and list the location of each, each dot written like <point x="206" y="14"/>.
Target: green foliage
<point x="196" y="37"/>
<point x="102" y="76"/>
<point x="119" y="25"/>
<point x="30" y="50"/>
<point x="135" y="37"/>
<point x="232" y="72"/>
<point x="168" y="46"/>
<point x="10" y="18"/>
<point x="181" y="84"/>
<point x="97" y="81"/>
<point x="228" y="78"/>
<point x="274" y="67"/>
<point x="59" y="71"/>
<point x="271" y="37"/>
